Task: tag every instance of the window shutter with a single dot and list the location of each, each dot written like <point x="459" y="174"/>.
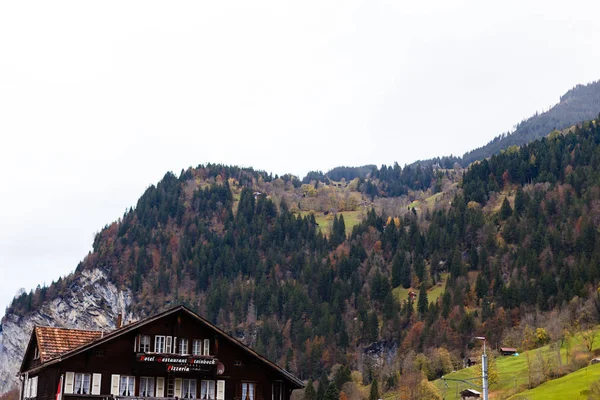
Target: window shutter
<point x="114" y="384"/>
<point x="160" y="387"/>
<point x="34" y="382"/>
<point x="168" y="341"/>
<point x="221" y="390"/>
<point x="96" y="379"/>
<point x="69" y="378"/>
<point x="137" y="343"/>
<point x="177" y="387"/>
<point x="206" y="347"/>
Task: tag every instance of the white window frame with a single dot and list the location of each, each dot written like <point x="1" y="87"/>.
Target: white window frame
<point x="197" y="347"/>
<point x="248" y="391"/>
<point x="206" y="351"/>
<point x="159" y="340"/>
<point x="183" y="346"/>
<point x="169" y="344"/>
<point x="129" y="389"/>
<point x="147" y="386"/>
<point x="36" y="353"/>
<point x="208" y="390"/>
<point x="80" y="386"/>
<point x="144" y="345"/>
<point x="31" y="387"/>
<point x="188" y="388"/>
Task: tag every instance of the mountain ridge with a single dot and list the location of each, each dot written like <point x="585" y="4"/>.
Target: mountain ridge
<point x="515" y="235"/>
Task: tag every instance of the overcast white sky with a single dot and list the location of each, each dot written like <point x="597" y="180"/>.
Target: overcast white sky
<point x="99" y="99"/>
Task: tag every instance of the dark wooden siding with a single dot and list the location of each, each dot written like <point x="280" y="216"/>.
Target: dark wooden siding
<point x="117" y="356"/>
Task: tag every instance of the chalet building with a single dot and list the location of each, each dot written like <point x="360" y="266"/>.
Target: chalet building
<point x="175" y="354"/>
<point x="470" y="394"/>
<point x="508" y="351"/>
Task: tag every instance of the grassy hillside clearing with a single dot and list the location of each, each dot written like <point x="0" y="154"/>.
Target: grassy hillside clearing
<point x="351" y="218"/>
<point x="574" y="386"/>
<point x="432" y="294"/>
<point x="513" y="373"/>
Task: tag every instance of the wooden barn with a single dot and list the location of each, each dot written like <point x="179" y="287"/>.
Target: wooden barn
<point x="175" y="354"/>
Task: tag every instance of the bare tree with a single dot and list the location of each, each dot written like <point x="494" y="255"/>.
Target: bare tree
<point x="589" y="336"/>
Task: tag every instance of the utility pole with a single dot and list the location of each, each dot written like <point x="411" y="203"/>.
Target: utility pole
<point x="484" y="369"/>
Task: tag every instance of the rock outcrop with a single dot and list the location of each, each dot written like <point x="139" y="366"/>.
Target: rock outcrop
<point x="92" y="303"/>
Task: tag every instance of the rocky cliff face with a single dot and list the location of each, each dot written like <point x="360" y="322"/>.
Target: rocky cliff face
<point x="92" y="303"/>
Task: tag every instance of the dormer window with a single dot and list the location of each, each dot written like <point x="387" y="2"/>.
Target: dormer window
<point x="36" y="353"/>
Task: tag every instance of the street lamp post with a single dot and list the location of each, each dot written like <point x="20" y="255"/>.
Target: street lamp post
<point x="484" y="369"/>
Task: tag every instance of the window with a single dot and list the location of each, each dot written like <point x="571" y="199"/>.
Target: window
<point x="146" y="386"/>
<point x="82" y="384"/>
<point x="127" y="386"/>
<point x="183" y="346"/>
<point x="197" y="347"/>
<point x="144" y="344"/>
<point x="248" y="391"/>
<point x="277" y="390"/>
<point x="169" y="343"/>
<point x="159" y="344"/>
<point x="31" y="387"/>
<point x="188" y="391"/>
<point x="206" y="347"/>
<point x="207" y="390"/>
<point x="36" y="353"/>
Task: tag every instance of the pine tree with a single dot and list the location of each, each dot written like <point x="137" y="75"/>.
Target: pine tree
<point x="309" y="392"/>
<point x="374" y="393"/>
<point x="332" y="392"/>
<point x="397" y="269"/>
<point x="422" y="303"/>
<point x="505" y="210"/>
<point x="321" y="389"/>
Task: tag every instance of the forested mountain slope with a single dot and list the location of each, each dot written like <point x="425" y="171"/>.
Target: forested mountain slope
<point x="237" y="245"/>
<point x="577" y="105"/>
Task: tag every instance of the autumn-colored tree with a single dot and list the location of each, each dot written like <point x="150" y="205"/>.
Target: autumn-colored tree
<point x="589" y="336"/>
<point x="529" y="338"/>
<point x="541" y="337"/>
<point x="493" y="375"/>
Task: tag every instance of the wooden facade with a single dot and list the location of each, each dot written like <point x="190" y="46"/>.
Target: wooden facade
<point x="176" y="354"/>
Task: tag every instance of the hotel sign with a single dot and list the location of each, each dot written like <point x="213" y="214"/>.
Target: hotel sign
<point x="183" y="364"/>
<point x="177" y="360"/>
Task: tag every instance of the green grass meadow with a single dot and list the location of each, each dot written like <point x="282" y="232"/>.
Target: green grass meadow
<point x="432" y="295"/>
<point x="514" y="377"/>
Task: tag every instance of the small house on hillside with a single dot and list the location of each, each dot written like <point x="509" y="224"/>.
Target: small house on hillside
<point x="470" y="394"/>
<point x="508" y="351"/>
<point x="412" y="295"/>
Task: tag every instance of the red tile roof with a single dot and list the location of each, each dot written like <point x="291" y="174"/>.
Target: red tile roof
<point x="53" y="342"/>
